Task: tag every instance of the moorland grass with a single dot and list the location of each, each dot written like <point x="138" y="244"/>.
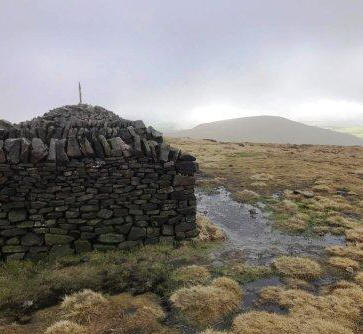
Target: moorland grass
<point x="298" y="267"/>
<point x="205" y="305"/>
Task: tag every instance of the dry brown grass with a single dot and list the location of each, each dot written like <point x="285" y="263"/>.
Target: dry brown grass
<point x="341" y="221"/>
<point x="205" y="305"/>
<point x="355" y="234"/>
<point x="359" y="278"/>
<point x="191" y="275"/>
<point x="246" y="195"/>
<point x="342" y="306"/>
<point x="343" y="263"/>
<point x="294" y="223"/>
<point x="83" y="306"/>
<point x="267" y="168"/>
<point x="354" y="252"/>
<point x="209" y="231"/>
<point x="127" y="314"/>
<point x="212" y="331"/>
<point x="298" y="267"/>
<point x="270" y="323"/>
<point x="281" y="166"/>
<point x="65" y="327"/>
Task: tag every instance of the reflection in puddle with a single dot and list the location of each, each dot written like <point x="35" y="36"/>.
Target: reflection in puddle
<point x="250" y="231"/>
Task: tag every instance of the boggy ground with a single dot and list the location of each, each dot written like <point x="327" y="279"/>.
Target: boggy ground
<point x="185" y="288"/>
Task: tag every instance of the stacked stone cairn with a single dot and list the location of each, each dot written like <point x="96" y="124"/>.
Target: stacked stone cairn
<point x="81" y="178"/>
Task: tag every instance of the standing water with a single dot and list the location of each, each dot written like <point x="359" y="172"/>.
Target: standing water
<point x="250" y="232"/>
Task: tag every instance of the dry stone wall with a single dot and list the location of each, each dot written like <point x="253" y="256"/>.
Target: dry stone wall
<point x="82" y="178"/>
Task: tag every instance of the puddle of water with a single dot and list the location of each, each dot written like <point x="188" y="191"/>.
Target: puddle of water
<point x="250" y="231"/>
<point x="250" y="295"/>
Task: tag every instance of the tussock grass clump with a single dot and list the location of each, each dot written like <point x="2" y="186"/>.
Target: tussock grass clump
<point x="65" y="327"/>
<point x="228" y="285"/>
<point x="205" y="305"/>
<point x="259" y="184"/>
<point x="321" y="203"/>
<point x="298" y="267"/>
<point x="243" y="273"/>
<point x="246" y="195"/>
<point x="343" y="308"/>
<point x="83" y="306"/>
<point x="191" y="275"/>
<point x="341" y="221"/>
<point x="323" y="188"/>
<point x="263" y="323"/>
<point x="294" y="223"/>
<point x="261" y="177"/>
<point x="354" y="252"/>
<point x="355" y="234"/>
<point x="354" y="293"/>
<point x="289" y="206"/>
<point x="209" y="231"/>
<point x="359" y="278"/>
<point x="343" y="263"/>
<point x="270" y="323"/>
<point x="212" y="331"/>
<point x="126" y="314"/>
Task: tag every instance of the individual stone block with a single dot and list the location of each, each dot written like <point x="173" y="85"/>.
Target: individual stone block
<point x="136" y="233"/>
<point x="12" y="249"/>
<point x="38" y="151"/>
<point x="164" y="150"/>
<point x="154" y="134"/>
<point x="187" y="167"/>
<point x="24" y="150"/>
<point x="111" y="238"/>
<point x="119" y="147"/>
<point x="174" y="154"/>
<point x="105" y="145"/>
<point x="16" y="216"/>
<point x="98" y="147"/>
<point x="146" y="147"/>
<point x="61" y="156"/>
<point x="73" y="149"/>
<point x="184" y="226"/>
<point x="57" y="239"/>
<point x="105" y="214"/>
<point x="15" y="257"/>
<point x="12" y="147"/>
<point x="129" y="244"/>
<point x="123" y="229"/>
<point x="183" y="180"/>
<point x="167" y="230"/>
<point x="82" y="246"/>
<point x="2" y="153"/>
<point x="86" y="147"/>
<point x="184" y="156"/>
<point x="137" y="146"/>
<point x="13" y="241"/>
<point x="61" y="250"/>
<point x="52" y="153"/>
<point x="31" y="239"/>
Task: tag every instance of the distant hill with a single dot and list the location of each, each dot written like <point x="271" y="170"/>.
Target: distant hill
<point x="268" y="129"/>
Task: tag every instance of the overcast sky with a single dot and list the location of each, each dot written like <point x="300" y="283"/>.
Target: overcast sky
<point x="184" y="62"/>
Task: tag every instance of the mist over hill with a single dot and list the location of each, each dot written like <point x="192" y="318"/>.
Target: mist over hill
<point x="268" y="129"/>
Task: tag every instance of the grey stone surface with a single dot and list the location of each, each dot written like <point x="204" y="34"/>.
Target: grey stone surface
<point x="39" y="150"/>
<point x="82" y="178"/>
<point x="136" y="233"/>
<point x="12" y="147"/>
<point x="73" y="149"/>
<point x="16" y="216"/>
